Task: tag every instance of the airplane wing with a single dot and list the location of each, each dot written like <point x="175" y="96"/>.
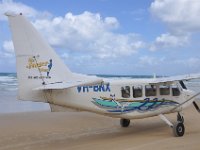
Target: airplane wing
<point x="65" y="85"/>
<point x="70" y="84"/>
<point x="175" y="78"/>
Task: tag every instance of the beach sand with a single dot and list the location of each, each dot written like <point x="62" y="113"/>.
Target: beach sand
<point x="85" y="131"/>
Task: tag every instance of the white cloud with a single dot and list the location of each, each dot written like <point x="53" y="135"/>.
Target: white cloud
<point x="65" y="56"/>
<point x="7" y="50"/>
<point x="191" y="62"/>
<point x="84" y="33"/>
<point x="168" y="40"/>
<point x="179" y="15"/>
<point x="181" y="18"/>
<point x="8" y="46"/>
<point x="89" y="32"/>
<point x="149" y="60"/>
<point x="111" y="22"/>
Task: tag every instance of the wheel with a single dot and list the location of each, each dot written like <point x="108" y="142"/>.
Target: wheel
<point x="124" y="122"/>
<point x="179" y="129"/>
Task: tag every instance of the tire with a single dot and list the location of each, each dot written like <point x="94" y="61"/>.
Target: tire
<point x="124" y="122"/>
<point x="179" y="129"/>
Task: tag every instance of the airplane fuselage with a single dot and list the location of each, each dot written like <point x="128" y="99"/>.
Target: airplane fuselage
<point x="122" y="99"/>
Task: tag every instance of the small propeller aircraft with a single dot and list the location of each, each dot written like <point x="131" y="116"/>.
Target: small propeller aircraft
<point x="43" y="77"/>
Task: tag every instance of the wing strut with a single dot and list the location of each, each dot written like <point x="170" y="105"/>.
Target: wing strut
<point x="196" y="106"/>
<point x="191" y="98"/>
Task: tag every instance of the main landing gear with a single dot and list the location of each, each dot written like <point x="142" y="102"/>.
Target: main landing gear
<point x="124" y="122"/>
<point x="178" y="127"/>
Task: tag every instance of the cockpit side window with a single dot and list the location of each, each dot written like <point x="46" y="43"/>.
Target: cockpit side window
<point x="150" y="90"/>
<point x="164" y="90"/>
<point x="125" y="91"/>
<point x="137" y="91"/>
<point x="175" y="90"/>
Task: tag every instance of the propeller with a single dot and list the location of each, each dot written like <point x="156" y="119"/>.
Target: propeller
<point x="196" y="106"/>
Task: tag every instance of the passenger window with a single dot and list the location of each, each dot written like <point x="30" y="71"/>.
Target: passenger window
<point x="164" y="90"/>
<point x="150" y="90"/>
<point x="137" y="91"/>
<point x="125" y="92"/>
<point x="175" y="90"/>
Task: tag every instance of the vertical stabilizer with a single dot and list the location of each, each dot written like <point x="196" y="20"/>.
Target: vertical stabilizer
<point x="37" y="63"/>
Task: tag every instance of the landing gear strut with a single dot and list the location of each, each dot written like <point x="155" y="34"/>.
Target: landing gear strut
<point x="180" y="118"/>
<point x="124" y="122"/>
<point x="178" y="127"/>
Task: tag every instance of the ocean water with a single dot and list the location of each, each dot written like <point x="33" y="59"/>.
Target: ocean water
<point x="10" y="104"/>
<point x="8" y="97"/>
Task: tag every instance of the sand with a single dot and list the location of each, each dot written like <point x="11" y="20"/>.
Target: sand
<point x="87" y="131"/>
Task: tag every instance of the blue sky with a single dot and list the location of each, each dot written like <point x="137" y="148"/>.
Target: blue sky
<point x="111" y="36"/>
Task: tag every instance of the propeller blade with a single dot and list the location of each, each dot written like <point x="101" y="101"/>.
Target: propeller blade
<point x="196" y="106"/>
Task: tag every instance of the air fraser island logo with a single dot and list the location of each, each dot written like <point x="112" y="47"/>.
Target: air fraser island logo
<point x="41" y="66"/>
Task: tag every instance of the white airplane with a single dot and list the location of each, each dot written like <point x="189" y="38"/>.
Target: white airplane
<point x="43" y="77"/>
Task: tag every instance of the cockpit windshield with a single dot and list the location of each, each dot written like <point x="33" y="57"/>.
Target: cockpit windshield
<point x="183" y="85"/>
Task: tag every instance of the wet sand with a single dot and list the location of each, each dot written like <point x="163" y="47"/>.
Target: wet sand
<point x="85" y="131"/>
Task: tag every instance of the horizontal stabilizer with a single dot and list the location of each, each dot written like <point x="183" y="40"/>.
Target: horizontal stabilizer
<point x="70" y="84"/>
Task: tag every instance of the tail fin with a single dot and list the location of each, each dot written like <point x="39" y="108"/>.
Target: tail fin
<point x="37" y="63"/>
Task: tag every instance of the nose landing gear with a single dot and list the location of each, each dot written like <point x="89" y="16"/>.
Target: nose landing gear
<point x="178" y="127"/>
